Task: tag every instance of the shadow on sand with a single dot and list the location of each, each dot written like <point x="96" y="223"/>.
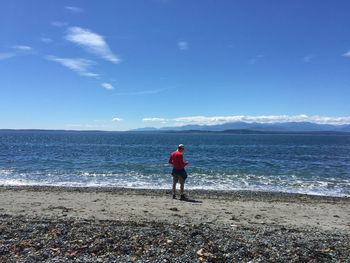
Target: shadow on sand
<point x="190" y="200"/>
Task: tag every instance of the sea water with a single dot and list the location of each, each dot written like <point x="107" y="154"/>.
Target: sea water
<point x="313" y="164"/>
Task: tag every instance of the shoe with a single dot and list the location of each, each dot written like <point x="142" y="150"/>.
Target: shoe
<point x="183" y="198"/>
<point x="174" y="196"/>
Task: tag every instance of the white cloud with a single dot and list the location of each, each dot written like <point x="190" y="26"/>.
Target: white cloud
<point x="154" y="120"/>
<point x="117" y="119"/>
<point x="224" y="119"/>
<point x="6" y="55"/>
<point x="107" y="86"/>
<point x="346" y="54"/>
<point x="59" y="24"/>
<point x="182" y="45"/>
<point x="204" y="120"/>
<point x="78" y="65"/>
<point x="74" y="9"/>
<point x="22" y="48"/>
<point x="91" y="42"/>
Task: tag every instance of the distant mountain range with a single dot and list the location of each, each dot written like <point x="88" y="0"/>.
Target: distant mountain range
<point x="258" y="127"/>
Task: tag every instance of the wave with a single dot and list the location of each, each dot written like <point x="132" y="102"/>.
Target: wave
<point x="203" y="181"/>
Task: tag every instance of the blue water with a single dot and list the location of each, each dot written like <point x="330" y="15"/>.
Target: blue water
<point x="312" y="164"/>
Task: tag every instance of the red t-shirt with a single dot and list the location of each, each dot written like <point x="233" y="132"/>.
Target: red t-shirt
<point x="177" y="161"/>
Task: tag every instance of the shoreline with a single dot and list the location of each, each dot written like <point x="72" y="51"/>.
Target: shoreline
<point x="133" y="225"/>
<point x="201" y="192"/>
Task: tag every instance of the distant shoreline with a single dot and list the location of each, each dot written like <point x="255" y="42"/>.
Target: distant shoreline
<point x="224" y="132"/>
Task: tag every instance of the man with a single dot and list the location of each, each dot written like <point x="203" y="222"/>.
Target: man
<point x="179" y="173"/>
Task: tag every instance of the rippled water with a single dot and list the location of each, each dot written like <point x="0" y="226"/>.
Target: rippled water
<point x="290" y="163"/>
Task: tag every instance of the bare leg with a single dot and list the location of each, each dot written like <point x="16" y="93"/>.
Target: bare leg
<point x="182" y="185"/>
<point x="175" y="180"/>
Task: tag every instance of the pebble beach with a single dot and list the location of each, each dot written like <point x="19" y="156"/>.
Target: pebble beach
<point x="58" y="224"/>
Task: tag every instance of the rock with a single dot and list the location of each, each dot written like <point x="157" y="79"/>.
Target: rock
<point x="258" y="216"/>
<point x="25" y="239"/>
<point x="234" y="218"/>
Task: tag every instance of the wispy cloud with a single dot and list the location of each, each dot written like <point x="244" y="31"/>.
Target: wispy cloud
<point x="59" y="24"/>
<point x="22" y="48"/>
<point x="7" y="55"/>
<point x="254" y="60"/>
<point x="162" y="120"/>
<point x="143" y="92"/>
<point x="183" y="45"/>
<point x="308" y="58"/>
<point x="115" y="119"/>
<point x="16" y="50"/>
<point x="91" y="42"/>
<point x="346" y="54"/>
<point x="107" y="86"/>
<point x="78" y="65"/>
<point x="45" y="39"/>
<point x="74" y="9"/>
<point x="204" y="120"/>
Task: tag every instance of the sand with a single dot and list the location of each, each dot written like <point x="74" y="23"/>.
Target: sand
<point x="218" y="208"/>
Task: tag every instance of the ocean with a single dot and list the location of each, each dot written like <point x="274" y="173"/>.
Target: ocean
<point x="311" y="164"/>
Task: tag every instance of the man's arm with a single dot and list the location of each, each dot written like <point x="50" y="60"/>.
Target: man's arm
<point x="182" y="160"/>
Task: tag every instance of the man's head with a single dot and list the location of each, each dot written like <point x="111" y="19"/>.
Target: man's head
<point x="181" y="147"/>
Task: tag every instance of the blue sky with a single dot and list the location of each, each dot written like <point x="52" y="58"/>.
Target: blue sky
<point x="119" y="65"/>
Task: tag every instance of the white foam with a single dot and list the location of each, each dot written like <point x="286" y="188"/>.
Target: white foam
<point x="213" y="181"/>
<point x="5" y="172"/>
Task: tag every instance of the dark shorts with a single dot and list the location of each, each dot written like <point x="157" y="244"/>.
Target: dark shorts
<point x="181" y="172"/>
